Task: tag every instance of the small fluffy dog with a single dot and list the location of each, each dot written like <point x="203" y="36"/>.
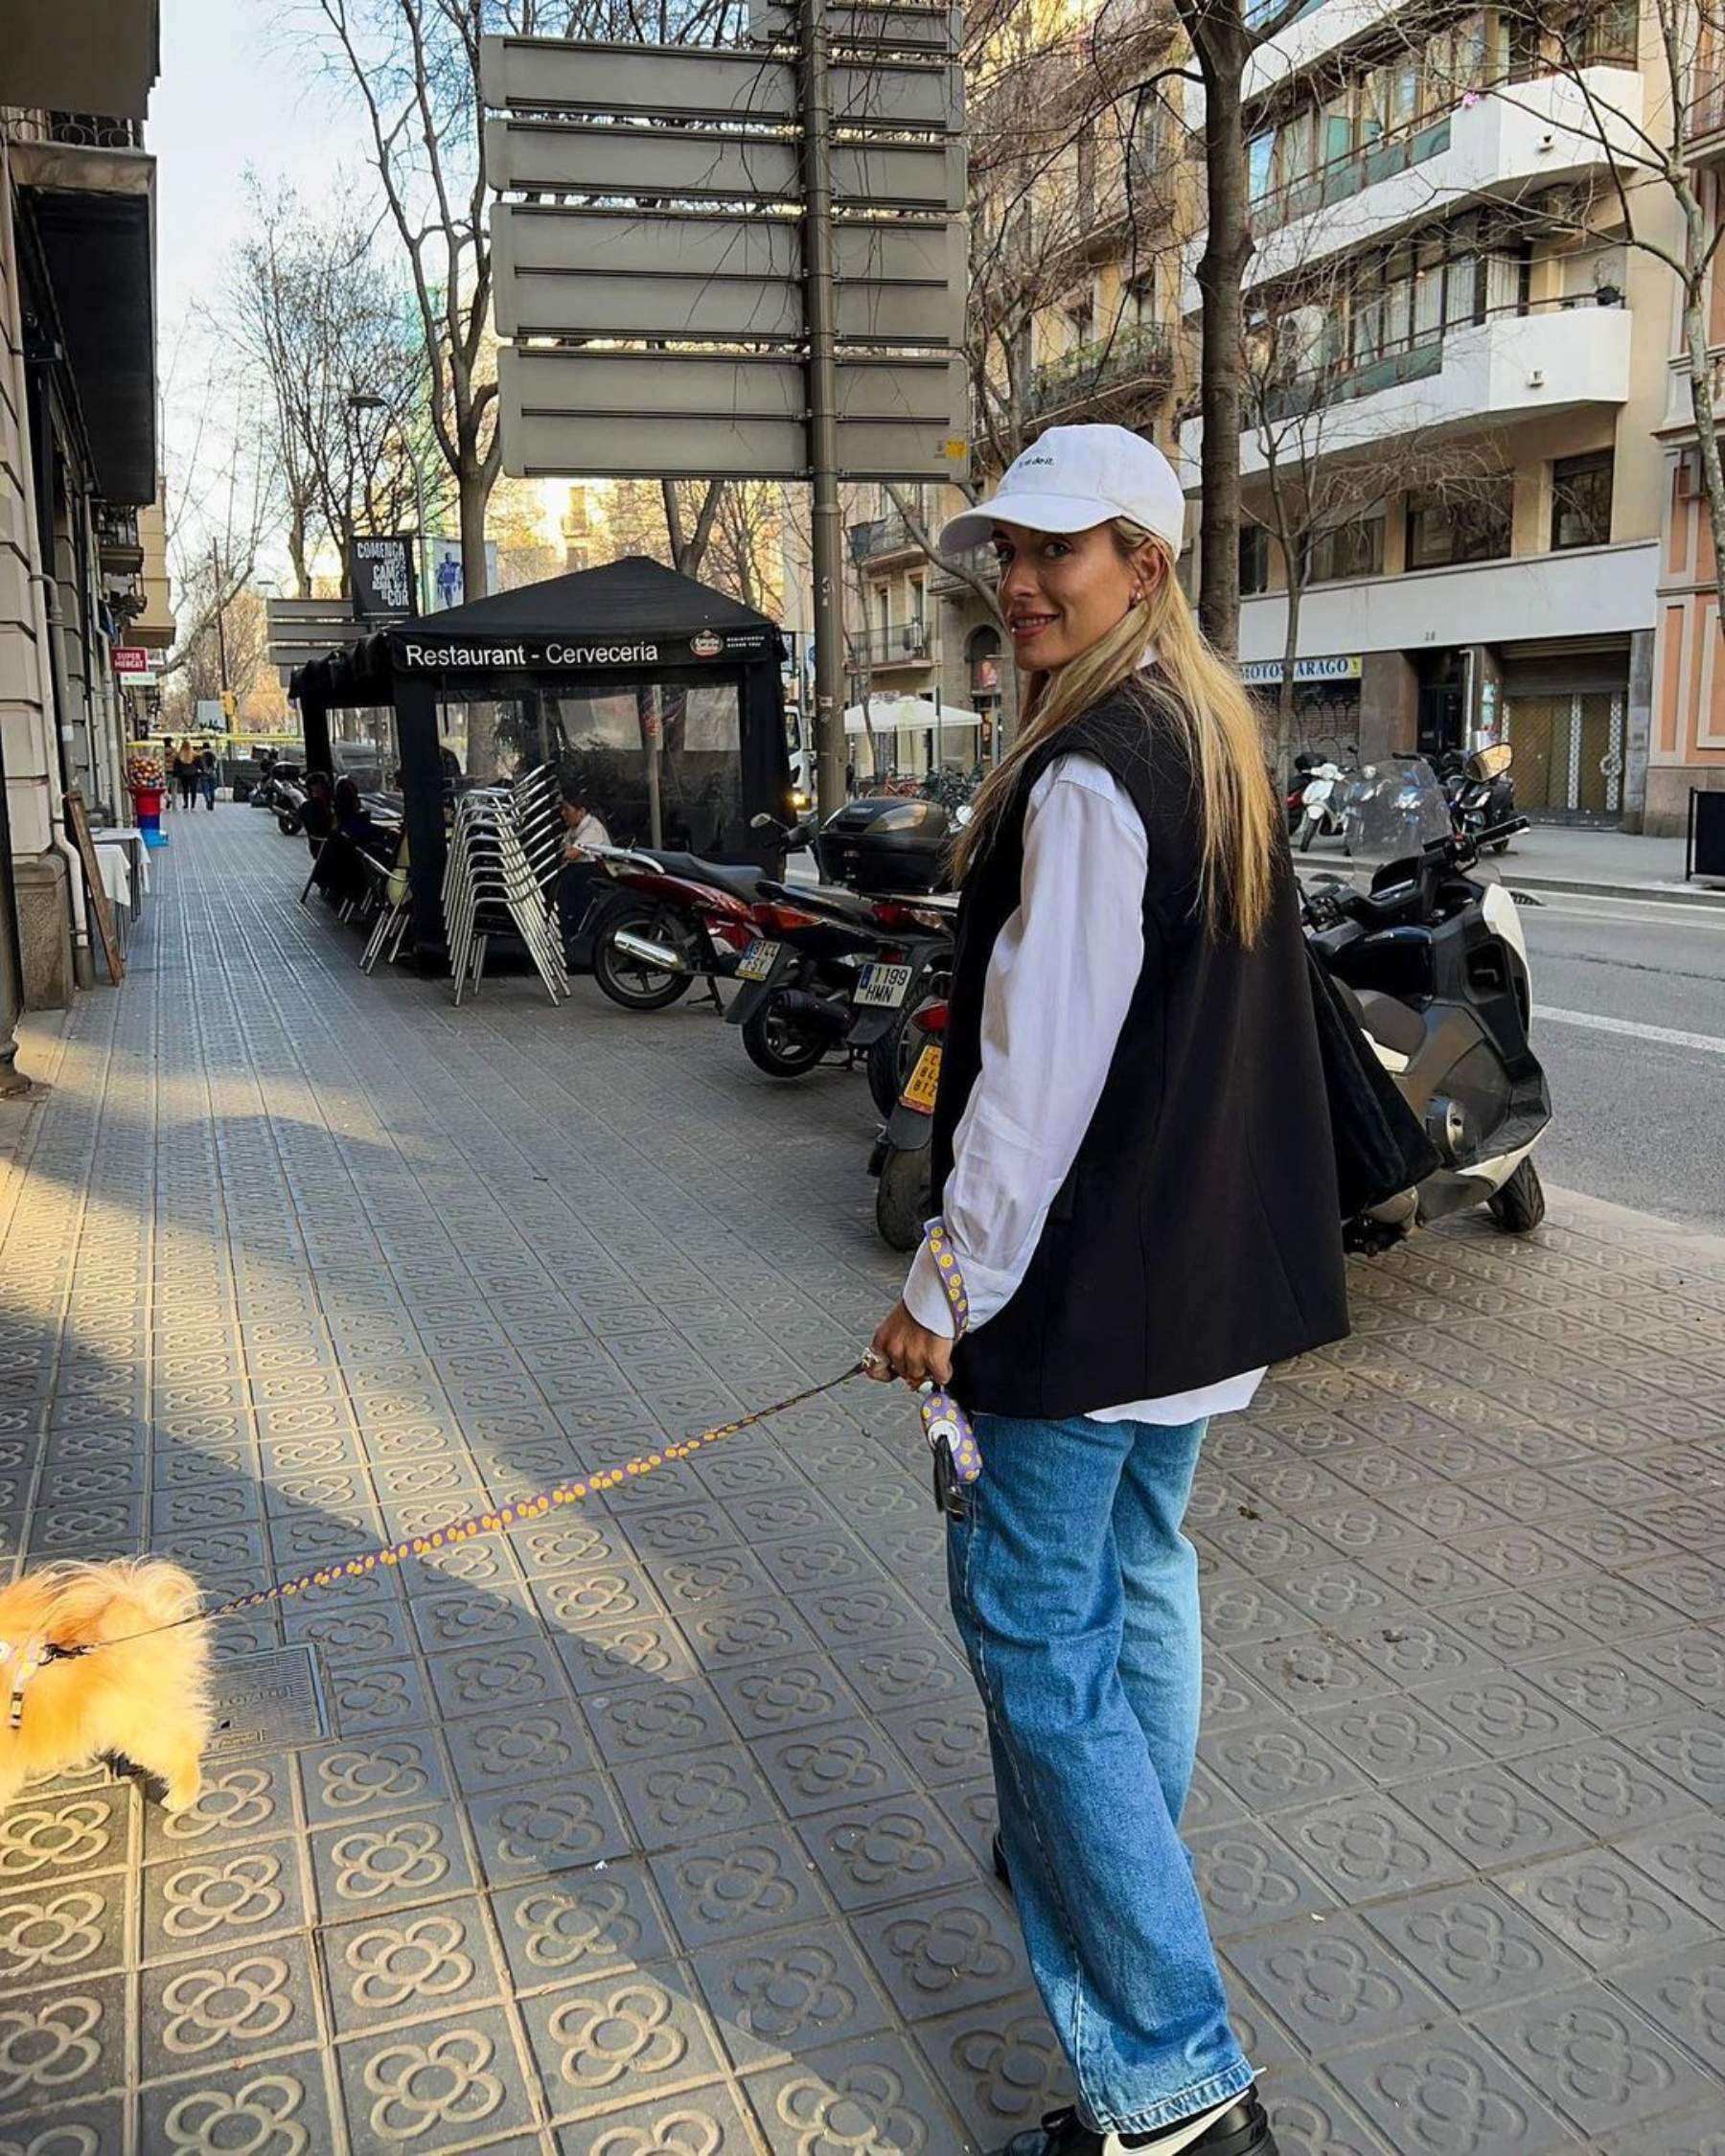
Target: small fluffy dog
<point x="147" y="1698"/>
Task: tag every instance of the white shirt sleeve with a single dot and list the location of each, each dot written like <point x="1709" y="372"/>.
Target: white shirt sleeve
<point x="1061" y="977"/>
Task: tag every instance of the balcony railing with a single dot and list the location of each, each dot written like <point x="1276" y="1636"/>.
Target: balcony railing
<point x="1324" y="386"/>
<point x="1138" y="358"/>
<point x="117" y="541"/>
<point x="979" y="560"/>
<point x="1705" y="113"/>
<point x="906" y="644"/>
<point x="94" y="130"/>
<point x="882" y="534"/>
<point x="1346" y="177"/>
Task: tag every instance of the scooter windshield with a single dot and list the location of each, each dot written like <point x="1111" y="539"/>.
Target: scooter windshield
<point x="1393" y="807"/>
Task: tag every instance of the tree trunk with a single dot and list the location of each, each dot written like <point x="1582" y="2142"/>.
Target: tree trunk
<point x="296" y="552"/>
<point x="1699" y="368"/>
<point x="1284" y="695"/>
<point x="1227" y="250"/>
<point x="473" y="493"/>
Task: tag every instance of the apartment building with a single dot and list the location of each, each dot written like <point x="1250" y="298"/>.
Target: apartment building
<point x="1688" y="747"/>
<point x="1459" y="367"/>
<point x="1072" y="318"/>
<point x="78" y="453"/>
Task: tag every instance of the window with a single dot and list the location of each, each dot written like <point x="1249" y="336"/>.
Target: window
<point x="1260" y="165"/>
<point x="1462" y="525"/>
<point x="1582" y="500"/>
<point x="1347" y="550"/>
<point x="1254" y="560"/>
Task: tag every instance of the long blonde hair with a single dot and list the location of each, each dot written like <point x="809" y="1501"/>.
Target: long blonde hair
<point x="1219" y="732"/>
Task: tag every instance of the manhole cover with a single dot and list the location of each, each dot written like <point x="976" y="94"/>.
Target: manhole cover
<point x="272" y="1699"/>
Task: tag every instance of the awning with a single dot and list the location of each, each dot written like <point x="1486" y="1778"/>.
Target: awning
<point x="908" y="715"/>
<point x="93" y="212"/>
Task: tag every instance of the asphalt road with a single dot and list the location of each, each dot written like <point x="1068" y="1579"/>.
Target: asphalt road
<point x="1629" y="1004"/>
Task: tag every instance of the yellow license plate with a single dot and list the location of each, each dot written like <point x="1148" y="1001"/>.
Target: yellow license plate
<point x="924" y="1081"/>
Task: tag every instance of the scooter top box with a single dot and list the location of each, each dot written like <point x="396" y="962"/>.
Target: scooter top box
<point x="897" y="844"/>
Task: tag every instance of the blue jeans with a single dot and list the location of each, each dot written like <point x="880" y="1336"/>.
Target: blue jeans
<point x="1076" y="1598"/>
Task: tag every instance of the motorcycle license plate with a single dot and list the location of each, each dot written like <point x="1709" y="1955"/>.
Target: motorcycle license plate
<point x="883" y="987"/>
<point x="757" y="961"/>
<point x="924" y="1081"/>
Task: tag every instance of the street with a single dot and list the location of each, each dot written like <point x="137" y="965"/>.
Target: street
<point x="1630" y="1001"/>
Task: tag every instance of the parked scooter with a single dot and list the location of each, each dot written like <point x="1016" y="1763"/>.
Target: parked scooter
<point x="1435" y="964"/>
<point x="1480" y="791"/>
<point x="900" y="1162"/>
<point x="289" y="801"/>
<point x="662" y="921"/>
<point x="834" y="970"/>
<point x="1319" y="805"/>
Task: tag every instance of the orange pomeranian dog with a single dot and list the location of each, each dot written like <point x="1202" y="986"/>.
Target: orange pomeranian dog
<point x="147" y="1698"/>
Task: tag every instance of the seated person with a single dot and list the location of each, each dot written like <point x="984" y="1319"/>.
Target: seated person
<point x="582" y="828"/>
<point x="318" y="816"/>
<point x="354" y="821"/>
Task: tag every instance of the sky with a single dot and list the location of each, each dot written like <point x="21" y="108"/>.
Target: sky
<point x="230" y="96"/>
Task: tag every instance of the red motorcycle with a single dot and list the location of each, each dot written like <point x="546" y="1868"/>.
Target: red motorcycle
<point x="663" y="921"/>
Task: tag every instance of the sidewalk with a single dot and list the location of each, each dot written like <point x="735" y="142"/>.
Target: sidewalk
<point x="1608" y="863"/>
<point x="660" y="1830"/>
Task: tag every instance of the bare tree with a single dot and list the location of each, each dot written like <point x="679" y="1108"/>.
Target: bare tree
<point x="413" y="65"/>
<point x="314" y="308"/>
<point x="1224" y="34"/>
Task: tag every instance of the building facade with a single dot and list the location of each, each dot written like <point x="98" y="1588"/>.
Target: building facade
<point x="78" y="452"/>
<point x="1459" y="363"/>
<point x="1688" y="747"/>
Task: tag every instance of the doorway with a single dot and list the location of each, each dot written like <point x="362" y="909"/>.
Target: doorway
<point x="1569" y="753"/>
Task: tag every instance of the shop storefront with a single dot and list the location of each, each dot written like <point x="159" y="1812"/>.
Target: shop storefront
<point x="1326" y="697"/>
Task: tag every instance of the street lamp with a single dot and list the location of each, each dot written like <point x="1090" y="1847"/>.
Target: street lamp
<point x="367" y="400"/>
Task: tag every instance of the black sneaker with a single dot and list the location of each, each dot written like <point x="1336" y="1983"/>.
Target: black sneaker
<point x="1242" y="2130"/>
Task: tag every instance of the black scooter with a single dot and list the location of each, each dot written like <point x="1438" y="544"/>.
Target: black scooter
<point x="1480" y="791"/>
<point x="833" y="970"/>
<point x="1435" y="966"/>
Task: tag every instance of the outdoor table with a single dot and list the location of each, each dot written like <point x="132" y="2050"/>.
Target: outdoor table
<point x="137" y="856"/>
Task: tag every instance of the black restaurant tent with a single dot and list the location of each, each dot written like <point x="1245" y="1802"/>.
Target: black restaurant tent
<point x="646" y="692"/>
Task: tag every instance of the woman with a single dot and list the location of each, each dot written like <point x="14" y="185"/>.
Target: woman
<point x="184" y="773"/>
<point x="1133" y="1172"/>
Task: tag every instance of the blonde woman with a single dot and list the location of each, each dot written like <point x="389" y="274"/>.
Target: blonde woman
<point x="1133" y="1178"/>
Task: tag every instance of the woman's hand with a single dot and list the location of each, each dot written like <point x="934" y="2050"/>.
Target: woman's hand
<point x="902" y="1349"/>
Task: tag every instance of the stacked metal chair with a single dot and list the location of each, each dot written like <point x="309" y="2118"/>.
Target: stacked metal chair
<point x="505" y="852"/>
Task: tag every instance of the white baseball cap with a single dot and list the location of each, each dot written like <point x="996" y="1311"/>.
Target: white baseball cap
<point x="1073" y="478"/>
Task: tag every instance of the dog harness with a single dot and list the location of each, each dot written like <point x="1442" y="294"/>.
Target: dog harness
<point x="24" y="1659"/>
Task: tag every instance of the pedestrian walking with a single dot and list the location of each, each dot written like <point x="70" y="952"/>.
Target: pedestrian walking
<point x="185" y="772"/>
<point x="1137" y="1205"/>
<point x="207" y="770"/>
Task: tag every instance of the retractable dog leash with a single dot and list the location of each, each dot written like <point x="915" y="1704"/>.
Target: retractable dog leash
<point x="957" y="1460"/>
<point x="958" y="1464"/>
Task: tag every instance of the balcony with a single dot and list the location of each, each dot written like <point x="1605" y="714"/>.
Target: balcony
<point x="1509" y="142"/>
<point x="1705" y="115"/>
<point x="905" y="645"/>
<point x="1607" y="589"/>
<point x="882" y="537"/>
<point x="1132" y="365"/>
<point x="118" y="546"/>
<point x="101" y="53"/>
<point x="981" y="561"/>
<point x="1509" y="367"/>
<point x="88" y="187"/>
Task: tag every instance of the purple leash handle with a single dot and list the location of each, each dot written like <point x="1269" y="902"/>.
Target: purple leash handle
<point x="945" y="1422"/>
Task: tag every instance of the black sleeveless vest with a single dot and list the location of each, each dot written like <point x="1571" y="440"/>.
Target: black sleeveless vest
<point x="1198" y="1234"/>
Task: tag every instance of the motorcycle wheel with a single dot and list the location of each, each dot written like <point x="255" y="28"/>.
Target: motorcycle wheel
<point x="778" y="1045"/>
<point x="1520" y="1206"/>
<point x="1501" y="846"/>
<point x="631" y="981"/>
<point x="891" y="1059"/>
<point x="1309" y="831"/>
<point x="903" y="1197"/>
<point x="288" y="823"/>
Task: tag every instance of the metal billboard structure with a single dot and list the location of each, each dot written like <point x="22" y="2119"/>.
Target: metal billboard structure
<point x="737" y="263"/>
